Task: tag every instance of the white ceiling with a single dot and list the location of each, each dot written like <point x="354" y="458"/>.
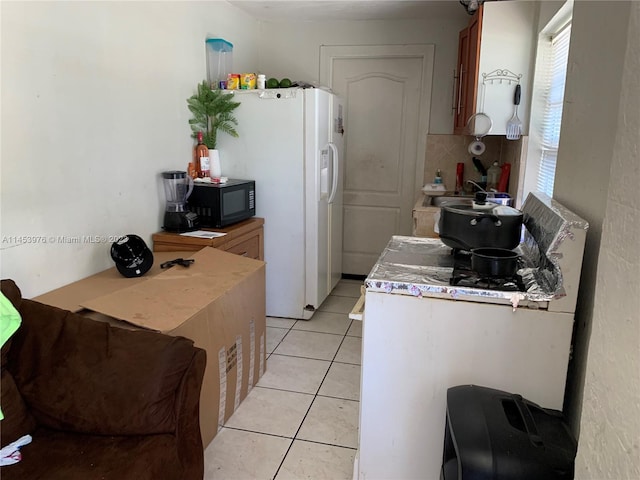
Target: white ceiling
<point x="328" y="10"/>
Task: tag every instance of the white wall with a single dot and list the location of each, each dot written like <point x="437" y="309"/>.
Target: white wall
<point x="547" y="10"/>
<point x="293" y="50"/>
<point x="589" y="125"/>
<point x="93" y="109"/>
<point x="610" y="426"/>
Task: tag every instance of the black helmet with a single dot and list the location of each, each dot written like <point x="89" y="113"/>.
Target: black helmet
<point x="132" y="256"/>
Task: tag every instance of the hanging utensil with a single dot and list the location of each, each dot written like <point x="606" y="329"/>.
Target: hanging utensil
<point x="514" y="125"/>
<point x="478" y="164"/>
<point x="478" y="125"/>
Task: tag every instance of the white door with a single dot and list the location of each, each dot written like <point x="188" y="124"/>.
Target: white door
<point x="387" y="95"/>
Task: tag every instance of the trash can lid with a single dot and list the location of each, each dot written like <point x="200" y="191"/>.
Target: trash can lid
<point x="500" y="435"/>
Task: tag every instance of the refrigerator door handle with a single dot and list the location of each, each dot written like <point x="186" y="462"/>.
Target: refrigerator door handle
<point x="336" y="171"/>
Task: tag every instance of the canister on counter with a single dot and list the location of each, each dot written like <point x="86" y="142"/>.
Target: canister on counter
<point x="233" y="81"/>
<point x="248" y="81"/>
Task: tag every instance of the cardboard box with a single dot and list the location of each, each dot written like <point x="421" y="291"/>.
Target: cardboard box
<point x="219" y="302"/>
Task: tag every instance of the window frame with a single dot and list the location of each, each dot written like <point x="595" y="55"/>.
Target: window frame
<point x="538" y="146"/>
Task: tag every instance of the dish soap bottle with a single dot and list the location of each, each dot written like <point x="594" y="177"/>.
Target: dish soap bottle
<point x="493" y="175"/>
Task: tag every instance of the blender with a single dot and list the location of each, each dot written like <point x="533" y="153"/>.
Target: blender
<point x="177" y="188"/>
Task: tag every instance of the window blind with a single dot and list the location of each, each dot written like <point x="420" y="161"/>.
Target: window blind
<point x="555" y="74"/>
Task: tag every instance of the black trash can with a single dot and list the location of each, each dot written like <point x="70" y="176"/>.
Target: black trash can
<point x="496" y="435"/>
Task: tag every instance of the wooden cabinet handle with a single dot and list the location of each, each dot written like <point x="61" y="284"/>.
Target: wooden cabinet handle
<point x="460" y="89"/>
<point x="453" y="92"/>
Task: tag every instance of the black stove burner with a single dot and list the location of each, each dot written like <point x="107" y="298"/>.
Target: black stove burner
<point x="464" y="276"/>
<point x="473" y="280"/>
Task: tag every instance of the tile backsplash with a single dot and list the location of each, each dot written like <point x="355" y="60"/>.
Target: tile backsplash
<point x="445" y="151"/>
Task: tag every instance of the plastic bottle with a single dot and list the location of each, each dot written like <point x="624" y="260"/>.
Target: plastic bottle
<point x="438" y="179"/>
<point x="262" y="82"/>
<point x="459" y="178"/>
<point x="493" y="175"/>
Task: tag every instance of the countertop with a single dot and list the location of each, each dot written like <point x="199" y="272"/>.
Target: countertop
<point x="422" y="267"/>
<point x="551" y="254"/>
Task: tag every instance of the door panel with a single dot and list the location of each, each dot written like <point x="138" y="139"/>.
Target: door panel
<point x="387" y="92"/>
<point x="360" y="219"/>
<point x="374" y="160"/>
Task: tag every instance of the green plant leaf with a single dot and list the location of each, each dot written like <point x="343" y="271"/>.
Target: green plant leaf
<point x="212" y="111"/>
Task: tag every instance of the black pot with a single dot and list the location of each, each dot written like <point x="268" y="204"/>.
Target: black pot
<point x="494" y="262"/>
<point x="465" y="228"/>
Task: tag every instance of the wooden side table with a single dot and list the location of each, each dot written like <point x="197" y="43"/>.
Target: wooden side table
<point x="244" y="238"/>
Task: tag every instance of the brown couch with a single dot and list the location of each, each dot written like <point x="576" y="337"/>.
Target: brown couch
<point x="101" y="402"/>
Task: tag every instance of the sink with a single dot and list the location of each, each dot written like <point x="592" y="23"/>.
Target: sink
<point x="441" y="200"/>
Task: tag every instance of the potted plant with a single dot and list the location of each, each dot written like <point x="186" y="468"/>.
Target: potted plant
<point x="212" y="111"/>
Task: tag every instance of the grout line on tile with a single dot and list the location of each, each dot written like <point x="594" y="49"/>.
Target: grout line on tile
<point x="285" y="390"/>
<point x="324" y="443"/>
<point x="324" y="395"/>
<point x="281" y="340"/>
<point x="259" y="433"/>
<point x="310" y="405"/>
<point x="347" y="363"/>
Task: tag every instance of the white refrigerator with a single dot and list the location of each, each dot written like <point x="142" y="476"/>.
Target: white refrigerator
<point x="291" y="142"/>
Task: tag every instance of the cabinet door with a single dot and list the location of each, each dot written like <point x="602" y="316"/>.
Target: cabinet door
<point x="247" y="246"/>
<point x="473" y="62"/>
<point x="461" y="83"/>
<point x="467" y="68"/>
<point x="508" y="43"/>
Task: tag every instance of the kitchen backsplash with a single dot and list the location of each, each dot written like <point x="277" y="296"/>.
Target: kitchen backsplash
<point x="445" y="151"/>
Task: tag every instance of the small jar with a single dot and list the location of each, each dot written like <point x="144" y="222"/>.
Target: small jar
<point x="262" y="82"/>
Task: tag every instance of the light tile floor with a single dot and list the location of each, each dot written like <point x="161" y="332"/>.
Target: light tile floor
<point x="301" y="420"/>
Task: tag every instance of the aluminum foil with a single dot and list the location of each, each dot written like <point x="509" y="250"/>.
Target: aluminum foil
<point x="422" y="267"/>
<point x="547" y="225"/>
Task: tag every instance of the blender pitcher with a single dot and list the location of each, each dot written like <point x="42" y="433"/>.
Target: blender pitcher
<point x="177" y="188"/>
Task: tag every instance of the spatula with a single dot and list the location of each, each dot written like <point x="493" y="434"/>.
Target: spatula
<point x="514" y="125"/>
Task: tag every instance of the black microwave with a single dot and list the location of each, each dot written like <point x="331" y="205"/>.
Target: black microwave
<point x="219" y="205"/>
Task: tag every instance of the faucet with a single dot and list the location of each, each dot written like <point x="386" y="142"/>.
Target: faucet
<point x="491" y="190"/>
<point x="477" y="186"/>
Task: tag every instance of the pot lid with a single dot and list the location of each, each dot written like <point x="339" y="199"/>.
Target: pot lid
<point x="498" y="210"/>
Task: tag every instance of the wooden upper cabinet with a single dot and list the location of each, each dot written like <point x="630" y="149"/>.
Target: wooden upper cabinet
<point x="499" y="37"/>
<point x="466" y="94"/>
